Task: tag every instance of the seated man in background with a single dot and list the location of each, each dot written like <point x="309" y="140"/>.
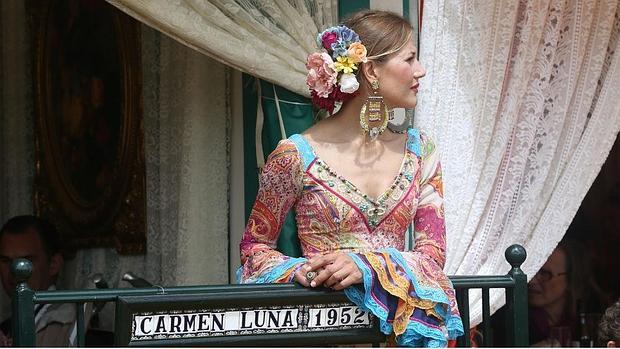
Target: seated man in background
<point x="37" y="240"/>
<point x="609" y="327"/>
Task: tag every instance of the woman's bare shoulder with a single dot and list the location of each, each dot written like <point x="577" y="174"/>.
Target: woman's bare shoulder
<point x="320" y="132"/>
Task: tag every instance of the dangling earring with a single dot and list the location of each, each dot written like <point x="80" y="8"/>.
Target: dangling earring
<point x="374" y="114"/>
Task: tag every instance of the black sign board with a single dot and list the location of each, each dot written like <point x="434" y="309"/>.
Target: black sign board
<point x="287" y="316"/>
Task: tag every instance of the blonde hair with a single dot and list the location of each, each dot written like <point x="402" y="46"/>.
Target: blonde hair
<point x="382" y="32"/>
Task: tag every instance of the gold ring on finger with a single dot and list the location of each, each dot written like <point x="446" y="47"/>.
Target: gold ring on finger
<point x="310" y="276"/>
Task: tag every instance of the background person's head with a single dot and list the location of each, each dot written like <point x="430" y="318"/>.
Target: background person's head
<point x="392" y="56"/>
<point x="36" y="240"/>
<point x="609" y="327"/>
<point x="561" y="282"/>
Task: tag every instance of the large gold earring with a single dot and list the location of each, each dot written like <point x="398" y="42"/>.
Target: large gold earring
<point x="374" y="114"/>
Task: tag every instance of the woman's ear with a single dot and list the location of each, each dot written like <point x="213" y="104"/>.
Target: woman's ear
<point x="370" y="71"/>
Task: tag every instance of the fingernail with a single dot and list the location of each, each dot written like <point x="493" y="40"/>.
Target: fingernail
<point x="313" y="284"/>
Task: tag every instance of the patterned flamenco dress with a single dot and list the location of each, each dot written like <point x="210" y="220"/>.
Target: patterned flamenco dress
<point x="407" y="290"/>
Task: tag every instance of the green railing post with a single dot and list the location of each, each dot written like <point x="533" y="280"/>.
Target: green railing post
<point x="516" y="299"/>
<point x="22" y="321"/>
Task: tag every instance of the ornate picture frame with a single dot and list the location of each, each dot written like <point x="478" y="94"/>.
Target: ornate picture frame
<point x="90" y="171"/>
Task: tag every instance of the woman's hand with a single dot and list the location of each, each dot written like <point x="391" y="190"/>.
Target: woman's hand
<point x="336" y="270"/>
<point x="300" y="277"/>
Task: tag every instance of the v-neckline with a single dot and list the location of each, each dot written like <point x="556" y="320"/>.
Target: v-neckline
<point x="385" y="193"/>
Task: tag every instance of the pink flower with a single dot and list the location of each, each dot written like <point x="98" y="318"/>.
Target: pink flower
<point x="321" y="73"/>
<point x="328" y="39"/>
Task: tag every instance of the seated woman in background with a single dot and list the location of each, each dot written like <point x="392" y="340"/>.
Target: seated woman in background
<point x="357" y="186"/>
<point x="556" y="295"/>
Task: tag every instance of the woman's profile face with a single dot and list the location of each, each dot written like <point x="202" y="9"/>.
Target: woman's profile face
<point x="550" y="285"/>
<point x="398" y="78"/>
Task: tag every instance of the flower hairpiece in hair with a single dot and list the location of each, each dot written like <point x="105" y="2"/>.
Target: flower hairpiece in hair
<point x="331" y="73"/>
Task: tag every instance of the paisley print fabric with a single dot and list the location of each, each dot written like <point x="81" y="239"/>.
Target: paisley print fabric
<point x="407" y="290"/>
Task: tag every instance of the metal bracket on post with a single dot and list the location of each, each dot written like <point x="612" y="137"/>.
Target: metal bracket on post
<point x="22" y="321"/>
<point x="516" y="299"/>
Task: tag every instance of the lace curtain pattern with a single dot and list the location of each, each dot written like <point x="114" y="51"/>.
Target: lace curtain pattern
<point x="186" y="124"/>
<point x="522" y="97"/>
<point x="268" y="39"/>
<point x="186" y="140"/>
<point x="185" y="115"/>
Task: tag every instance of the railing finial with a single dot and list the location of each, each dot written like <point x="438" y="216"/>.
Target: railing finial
<point x="515" y="255"/>
<point x="516" y="298"/>
<point x="22" y="327"/>
<point x="21" y="269"/>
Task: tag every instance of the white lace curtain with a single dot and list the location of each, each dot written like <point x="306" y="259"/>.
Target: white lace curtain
<point x="185" y="116"/>
<point x="269" y="39"/>
<point x="522" y="97"/>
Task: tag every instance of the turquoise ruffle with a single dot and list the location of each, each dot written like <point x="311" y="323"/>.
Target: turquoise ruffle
<point x="413" y="141"/>
<point x="274" y="274"/>
<point x="304" y="148"/>
<point x="416" y="334"/>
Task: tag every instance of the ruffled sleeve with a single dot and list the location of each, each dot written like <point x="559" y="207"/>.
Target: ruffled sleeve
<point x="408" y="291"/>
<point x="280" y="185"/>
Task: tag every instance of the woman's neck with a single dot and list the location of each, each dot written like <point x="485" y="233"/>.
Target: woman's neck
<point x="555" y="311"/>
<point x="347" y="118"/>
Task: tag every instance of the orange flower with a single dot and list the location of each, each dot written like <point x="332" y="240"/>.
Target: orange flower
<point x="357" y="52"/>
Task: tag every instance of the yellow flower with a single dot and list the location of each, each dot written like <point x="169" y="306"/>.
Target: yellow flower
<point x="345" y="64"/>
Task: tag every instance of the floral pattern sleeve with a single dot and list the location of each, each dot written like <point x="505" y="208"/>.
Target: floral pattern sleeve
<point x="280" y="184"/>
<point x="409" y="291"/>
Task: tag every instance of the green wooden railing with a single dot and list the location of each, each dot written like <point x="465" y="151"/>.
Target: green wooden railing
<point x="133" y="304"/>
